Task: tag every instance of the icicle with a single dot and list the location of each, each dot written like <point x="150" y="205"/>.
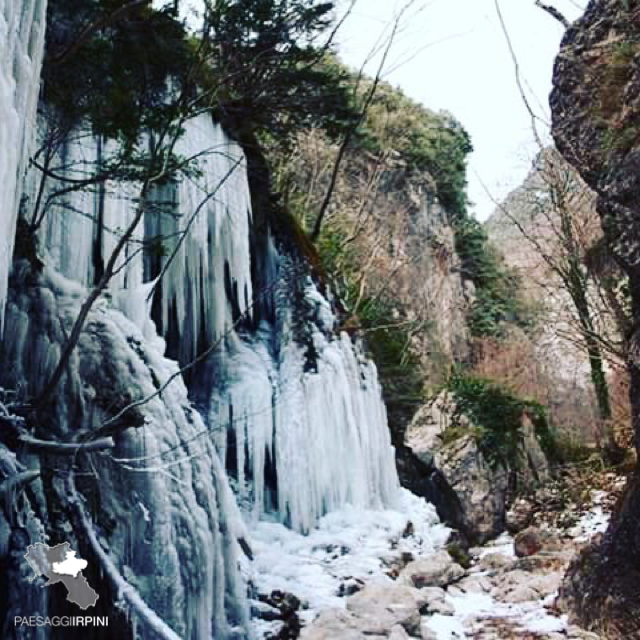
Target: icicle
<point x="195" y="233"/>
<point x="22" y="26"/>
<point x="325" y="431"/>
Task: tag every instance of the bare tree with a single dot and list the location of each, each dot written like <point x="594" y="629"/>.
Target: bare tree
<point x="561" y="245"/>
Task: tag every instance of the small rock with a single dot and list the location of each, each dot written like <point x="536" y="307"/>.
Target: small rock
<point x="493" y="561"/>
<point x="380" y="607"/>
<point x="527" y="543"/>
<point x="349" y="587"/>
<point x="475" y="584"/>
<point x="520" y="515"/>
<point x="398" y="633"/>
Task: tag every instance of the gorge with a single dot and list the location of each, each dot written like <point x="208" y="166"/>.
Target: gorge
<point x="245" y="433"/>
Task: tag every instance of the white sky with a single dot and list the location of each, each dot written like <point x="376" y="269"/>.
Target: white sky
<point x="462" y="64"/>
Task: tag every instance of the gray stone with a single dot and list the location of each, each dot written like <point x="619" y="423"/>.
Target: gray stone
<point x="494" y="561"/>
<point x="380" y="607"/>
<point x="336" y="624"/>
<point x="437" y="570"/>
<point x="475" y="584"/>
<point x="398" y="633"/>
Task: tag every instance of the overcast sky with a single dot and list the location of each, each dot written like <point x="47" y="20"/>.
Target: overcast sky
<point x="456" y="58"/>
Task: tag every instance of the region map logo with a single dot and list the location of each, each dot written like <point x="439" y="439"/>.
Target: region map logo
<point x="60" y="564"/>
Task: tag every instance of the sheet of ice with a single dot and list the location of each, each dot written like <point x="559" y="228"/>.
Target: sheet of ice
<point x="22" y="27"/>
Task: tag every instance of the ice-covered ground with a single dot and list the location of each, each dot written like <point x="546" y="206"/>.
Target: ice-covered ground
<point x="473" y="610"/>
<point x="353" y="546"/>
<point x="347" y="546"/>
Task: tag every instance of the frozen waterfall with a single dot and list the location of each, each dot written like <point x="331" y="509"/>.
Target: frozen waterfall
<point x="22" y="27"/>
<point x="304" y="443"/>
<point x="300" y="442"/>
<point x="292" y="409"/>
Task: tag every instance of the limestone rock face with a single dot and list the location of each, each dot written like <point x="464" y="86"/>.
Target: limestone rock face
<point x="595" y="107"/>
<point x="481" y="490"/>
<point x="424" y="434"/>
<point x="478" y="490"/>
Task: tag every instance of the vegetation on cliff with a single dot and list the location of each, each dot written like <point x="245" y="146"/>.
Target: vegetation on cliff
<point x="497" y="414"/>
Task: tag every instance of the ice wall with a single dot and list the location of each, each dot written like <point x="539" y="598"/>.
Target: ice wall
<point x="195" y="233"/>
<point x="302" y="423"/>
<point x="22" y="27"/>
<point x="160" y="501"/>
<point x="301" y="442"/>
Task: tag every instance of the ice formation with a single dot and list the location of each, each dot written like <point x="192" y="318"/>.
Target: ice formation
<point x="22" y="27"/>
<point x="304" y="443"/>
<point x="195" y="233"/>
<point x="321" y="434"/>
<point x="182" y="557"/>
<point x="293" y="410"/>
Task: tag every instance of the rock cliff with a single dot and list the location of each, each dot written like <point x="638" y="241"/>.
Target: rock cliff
<point x="596" y="115"/>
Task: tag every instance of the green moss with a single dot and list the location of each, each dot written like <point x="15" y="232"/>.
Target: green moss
<point x="459" y="555"/>
<point x="497" y="414"/>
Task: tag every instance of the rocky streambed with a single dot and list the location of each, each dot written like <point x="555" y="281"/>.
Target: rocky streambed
<point x="402" y="589"/>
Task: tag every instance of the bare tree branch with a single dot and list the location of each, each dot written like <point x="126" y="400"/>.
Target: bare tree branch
<point x="554" y="13"/>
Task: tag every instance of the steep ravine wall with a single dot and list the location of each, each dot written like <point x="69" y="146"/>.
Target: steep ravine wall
<point x="596" y="109"/>
<point x="288" y="410"/>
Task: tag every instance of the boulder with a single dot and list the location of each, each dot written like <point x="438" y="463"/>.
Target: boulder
<point x="527" y="543"/>
<point x="436" y="570"/>
<point x="472" y="494"/>
<point x="519" y="516"/>
<point x="481" y="490"/>
<point x="532" y="540"/>
<point x="380" y="607"/>
<point x="336" y="624"/>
